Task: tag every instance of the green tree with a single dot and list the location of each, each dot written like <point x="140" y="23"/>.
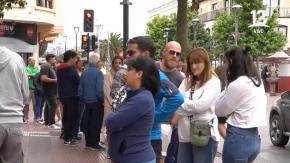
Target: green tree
<point x="155" y="29"/>
<point x="261" y="44"/>
<point x="109" y="49"/>
<point x="7" y="4"/>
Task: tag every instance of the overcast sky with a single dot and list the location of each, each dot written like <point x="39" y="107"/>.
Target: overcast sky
<point x="109" y="13"/>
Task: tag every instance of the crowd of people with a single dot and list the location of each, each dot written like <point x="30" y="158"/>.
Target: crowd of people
<point x="135" y="97"/>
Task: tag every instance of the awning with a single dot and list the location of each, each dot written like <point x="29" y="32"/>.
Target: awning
<point x="278" y="57"/>
<point x="17" y="45"/>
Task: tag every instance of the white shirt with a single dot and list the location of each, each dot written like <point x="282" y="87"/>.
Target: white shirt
<point x="244" y="103"/>
<point x="201" y="107"/>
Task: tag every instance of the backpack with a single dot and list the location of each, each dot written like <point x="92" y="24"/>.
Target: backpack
<point x="37" y="83"/>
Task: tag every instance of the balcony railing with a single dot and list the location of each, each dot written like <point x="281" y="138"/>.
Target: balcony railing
<point x="209" y="16"/>
<point x="45" y="3"/>
<point x="212" y="15"/>
<point x="283" y="12"/>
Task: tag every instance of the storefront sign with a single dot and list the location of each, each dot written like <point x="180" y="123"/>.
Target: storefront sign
<point x="24" y="32"/>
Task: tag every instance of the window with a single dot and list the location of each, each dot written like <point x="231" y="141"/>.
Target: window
<point x="214" y="6"/>
<point x="270" y="6"/>
<point x="45" y="3"/>
<point x="283" y="29"/>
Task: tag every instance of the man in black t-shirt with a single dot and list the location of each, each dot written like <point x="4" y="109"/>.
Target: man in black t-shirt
<point x="49" y="86"/>
<point x="171" y="54"/>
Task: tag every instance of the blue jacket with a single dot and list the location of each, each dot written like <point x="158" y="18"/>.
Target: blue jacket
<point x="129" y="128"/>
<point x="67" y="81"/>
<point x="167" y="102"/>
<point x="91" y="88"/>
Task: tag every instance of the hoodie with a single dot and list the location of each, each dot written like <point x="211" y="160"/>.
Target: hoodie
<point x="14" y="90"/>
<point x="67" y="81"/>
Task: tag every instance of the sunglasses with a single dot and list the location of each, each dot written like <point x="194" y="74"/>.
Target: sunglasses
<point x="130" y="52"/>
<point x="172" y="52"/>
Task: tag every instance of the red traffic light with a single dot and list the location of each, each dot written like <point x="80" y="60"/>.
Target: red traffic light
<point x="88" y="20"/>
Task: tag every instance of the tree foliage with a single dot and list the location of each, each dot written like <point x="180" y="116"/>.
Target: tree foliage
<point x="7" y="4"/>
<point x="269" y="41"/>
<point x="110" y="48"/>
<point x="155" y="29"/>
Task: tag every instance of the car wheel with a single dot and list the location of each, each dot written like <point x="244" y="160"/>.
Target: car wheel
<point x="276" y="132"/>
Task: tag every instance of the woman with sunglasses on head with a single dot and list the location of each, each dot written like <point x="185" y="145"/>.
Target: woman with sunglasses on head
<point x="201" y="88"/>
<point x="244" y="103"/>
<point x="131" y="124"/>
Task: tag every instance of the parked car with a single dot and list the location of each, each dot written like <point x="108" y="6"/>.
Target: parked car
<point x="280" y="120"/>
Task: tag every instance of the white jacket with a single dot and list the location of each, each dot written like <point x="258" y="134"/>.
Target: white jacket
<point x="201" y="107"/>
<point x="14" y="90"/>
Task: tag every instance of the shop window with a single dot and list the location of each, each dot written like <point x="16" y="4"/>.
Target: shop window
<point x="283" y="29"/>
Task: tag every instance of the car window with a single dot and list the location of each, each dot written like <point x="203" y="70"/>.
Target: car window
<point x="285" y="95"/>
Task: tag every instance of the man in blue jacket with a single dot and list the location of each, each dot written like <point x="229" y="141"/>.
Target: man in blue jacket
<point x="91" y="91"/>
<point x="68" y="82"/>
<point x="167" y="100"/>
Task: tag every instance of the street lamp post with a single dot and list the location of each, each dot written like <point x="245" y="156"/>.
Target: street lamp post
<point x="76" y="29"/>
<point x="99" y="28"/>
<point x="237" y="11"/>
<point x="166" y="34"/>
<point x="65" y="38"/>
<point x="125" y="4"/>
<point x="195" y="24"/>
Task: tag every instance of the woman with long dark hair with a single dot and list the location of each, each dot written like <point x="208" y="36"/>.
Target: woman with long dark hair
<point x="129" y="128"/>
<point x="244" y="103"/>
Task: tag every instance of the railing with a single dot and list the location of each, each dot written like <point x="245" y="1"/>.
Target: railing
<point x="212" y="15"/>
<point x="45" y="3"/>
<point x="283" y="12"/>
<point x="209" y="16"/>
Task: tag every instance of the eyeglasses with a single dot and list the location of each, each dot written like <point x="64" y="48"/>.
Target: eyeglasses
<point x="172" y="52"/>
<point x="130" y="52"/>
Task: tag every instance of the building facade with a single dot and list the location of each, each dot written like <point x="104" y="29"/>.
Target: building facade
<point x="28" y="30"/>
<point x="208" y="11"/>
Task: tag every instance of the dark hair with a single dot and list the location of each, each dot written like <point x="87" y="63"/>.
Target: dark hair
<point x="240" y="64"/>
<point x="68" y="55"/>
<point x="48" y="56"/>
<point x="150" y="78"/>
<point x="117" y="57"/>
<point x="144" y="43"/>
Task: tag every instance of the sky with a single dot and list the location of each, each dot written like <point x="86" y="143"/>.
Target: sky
<point x="109" y="13"/>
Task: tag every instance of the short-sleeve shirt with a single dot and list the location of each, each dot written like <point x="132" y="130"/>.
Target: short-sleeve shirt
<point x="49" y="89"/>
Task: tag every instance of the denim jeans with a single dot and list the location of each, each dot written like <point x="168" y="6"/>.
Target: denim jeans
<point x="152" y="161"/>
<point x="241" y="145"/>
<point x="70" y="117"/>
<point x="39" y="102"/>
<point x="187" y="153"/>
<point x="172" y="150"/>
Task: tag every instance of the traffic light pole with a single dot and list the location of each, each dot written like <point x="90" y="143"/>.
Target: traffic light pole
<point x="88" y="48"/>
<point x="125" y="4"/>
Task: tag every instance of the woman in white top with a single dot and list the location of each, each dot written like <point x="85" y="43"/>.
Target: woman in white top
<point x="201" y="88"/>
<point x="244" y="103"/>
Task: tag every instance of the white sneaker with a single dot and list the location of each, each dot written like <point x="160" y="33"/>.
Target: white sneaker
<point x="54" y="127"/>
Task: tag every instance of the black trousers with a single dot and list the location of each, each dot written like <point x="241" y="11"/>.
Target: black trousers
<point x="49" y="110"/>
<point x="93" y="114"/>
<point x="70" y="117"/>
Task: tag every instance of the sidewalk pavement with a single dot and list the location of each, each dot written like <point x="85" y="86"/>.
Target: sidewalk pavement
<point x="43" y="145"/>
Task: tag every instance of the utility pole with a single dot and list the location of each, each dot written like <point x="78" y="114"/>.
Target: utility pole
<point x="125" y="4"/>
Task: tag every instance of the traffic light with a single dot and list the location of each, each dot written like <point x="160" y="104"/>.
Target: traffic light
<point x="94" y="42"/>
<point x="88" y="20"/>
<point x="85" y="41"/>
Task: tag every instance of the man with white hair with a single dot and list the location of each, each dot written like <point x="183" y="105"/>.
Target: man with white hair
<point x="92" y="93"/>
